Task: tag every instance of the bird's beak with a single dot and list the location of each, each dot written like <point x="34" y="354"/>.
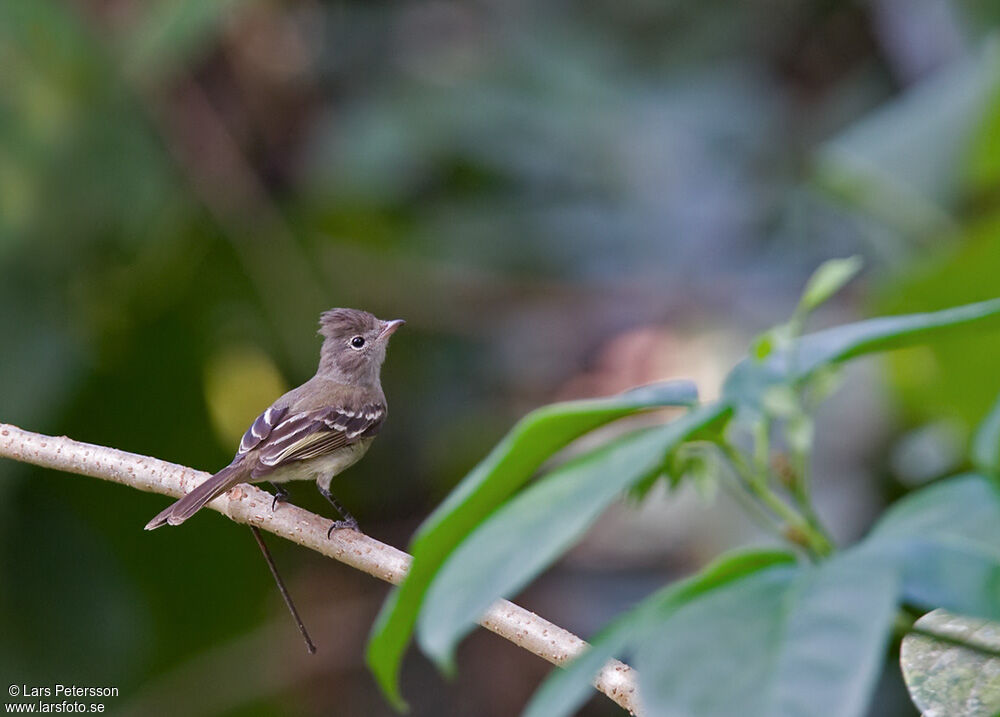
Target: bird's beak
<point x="389" y="328"/>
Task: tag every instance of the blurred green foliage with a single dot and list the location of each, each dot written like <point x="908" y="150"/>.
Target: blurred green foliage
<point x="964" y="271"/>
<point x="818" y="632"/>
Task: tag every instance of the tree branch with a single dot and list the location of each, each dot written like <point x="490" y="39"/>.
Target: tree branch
<point x="251" y="506"/>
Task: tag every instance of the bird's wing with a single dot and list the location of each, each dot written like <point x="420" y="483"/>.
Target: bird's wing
<point x="261" y="428"/>
<point x="310" y="434"/>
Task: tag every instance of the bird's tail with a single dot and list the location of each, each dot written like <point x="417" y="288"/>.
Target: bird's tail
<point x="190" y="504"/>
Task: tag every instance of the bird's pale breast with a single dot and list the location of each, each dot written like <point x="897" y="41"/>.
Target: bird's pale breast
<point x="323" y="468"/>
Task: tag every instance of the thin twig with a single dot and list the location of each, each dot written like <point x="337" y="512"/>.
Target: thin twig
<point x="286" y="596"/>
<point x="251" y="506"/>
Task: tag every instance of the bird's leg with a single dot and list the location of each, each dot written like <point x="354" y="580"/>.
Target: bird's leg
<point x="348" y="519"/>
<point x="280" y="495"/>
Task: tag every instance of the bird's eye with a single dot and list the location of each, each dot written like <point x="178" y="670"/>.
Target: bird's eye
<point x="358" y="341"/>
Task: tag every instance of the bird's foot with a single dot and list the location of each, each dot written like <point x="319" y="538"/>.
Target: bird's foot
<point x="347" y="522"/>
<point x="350" y="524"/>
<point x="280" y="496"/>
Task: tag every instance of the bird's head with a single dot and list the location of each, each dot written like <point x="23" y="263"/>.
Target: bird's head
<point x="354" y="345"/>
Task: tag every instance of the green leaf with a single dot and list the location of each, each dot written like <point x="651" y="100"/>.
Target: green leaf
<point x="946" y="539"/>
<point x="986" y="443"/>
<point x="507" y="467"/>
<point x="780" y="642"/>
<point x="531" y="531"/>
<point x="946" y="679"/>
<point x="898" y="163"/>
<point x="827" y="280"/>
<point x="567" y="689"/>
<point x="750" y="379"/>
<point x="165" y="36"/>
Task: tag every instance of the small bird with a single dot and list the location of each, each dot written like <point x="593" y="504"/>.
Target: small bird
<point x="314" y="431"/>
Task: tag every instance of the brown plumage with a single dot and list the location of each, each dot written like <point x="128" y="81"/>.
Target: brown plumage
<point x="314" y="431"/>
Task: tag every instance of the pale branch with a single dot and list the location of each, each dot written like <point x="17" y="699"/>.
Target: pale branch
<point x="251" y="506"/>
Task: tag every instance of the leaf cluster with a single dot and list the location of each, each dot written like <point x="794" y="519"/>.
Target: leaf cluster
<point x="797" y="630"/>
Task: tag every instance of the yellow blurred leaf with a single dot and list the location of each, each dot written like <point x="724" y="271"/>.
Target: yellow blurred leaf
<point x="240" y="382"/>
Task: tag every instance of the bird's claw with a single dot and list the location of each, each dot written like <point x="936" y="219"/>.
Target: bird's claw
<point x="351" y="524"/>
<point x="280" y="495"/>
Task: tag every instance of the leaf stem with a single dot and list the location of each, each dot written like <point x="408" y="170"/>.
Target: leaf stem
<point x="761" y="450"/>
<point x="757" y="514"/>
<point x="797" y="529"/>
<point x="802" y="494"/>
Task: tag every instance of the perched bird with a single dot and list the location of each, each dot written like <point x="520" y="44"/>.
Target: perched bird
<point x="314" y="431"/>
